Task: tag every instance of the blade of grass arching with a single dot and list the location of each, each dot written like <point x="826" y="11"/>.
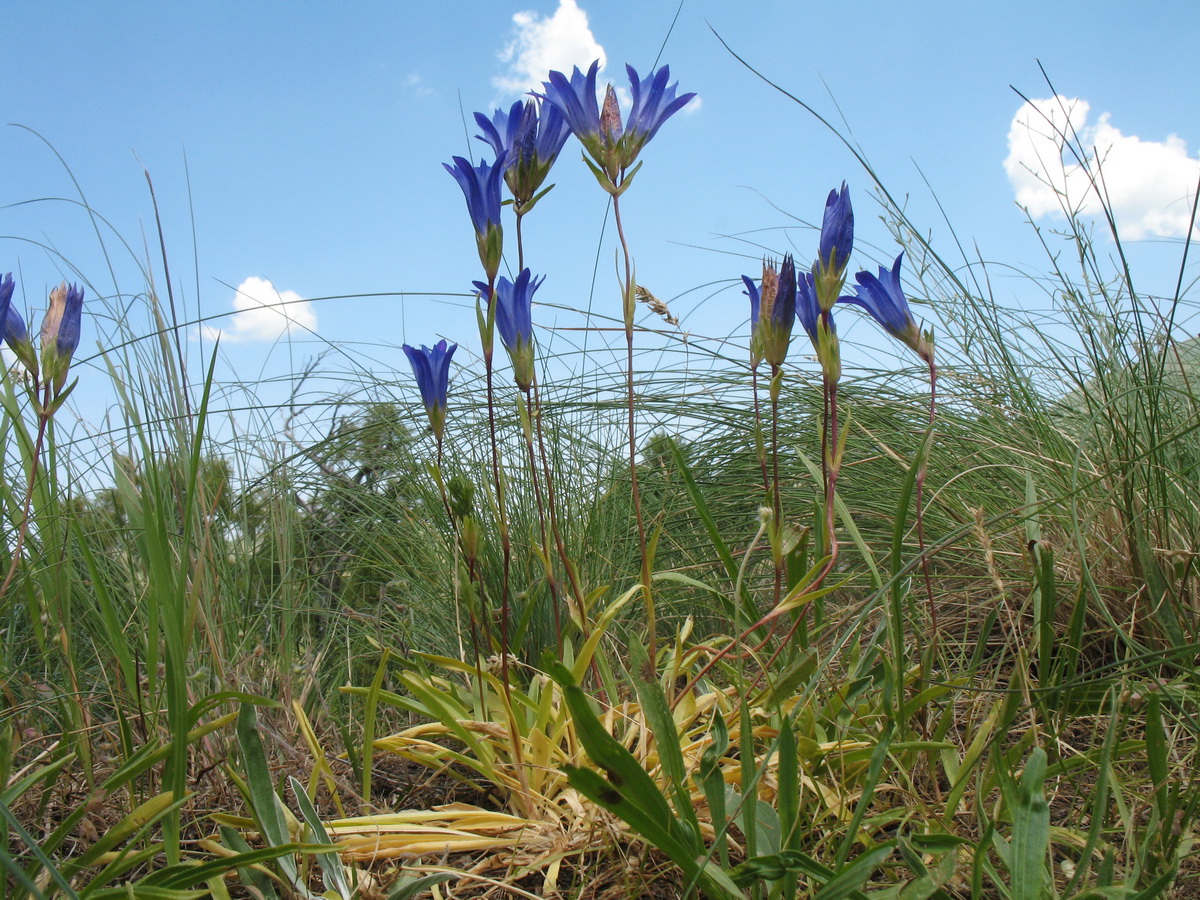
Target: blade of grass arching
<point x="143" y="816"/>
<point x="176" y="572"/>
<point x="628" y="791"/>
<point x="330" y="862"/>
<point x="408" y="887"/>
<point x="712" y="782"/>
<point x="115" y="631"/>
<point x="866" y="796"/>
<point x="900" y="585"/>
<point x="126" y="861"/>
<point x="258" y="779"/>
<point x="265" y="806"/>
<point x="47" y="773"/>
<point x="369" y="714"/>
<point x="1071" y="649"/>
<point x="966" y="767"/>
<point x="151" y="755"/>
<point x="1030" y="846"/>
<point x="666" y="736"/>
<point x="696" y="867"/>
<point x="848" y="523"/>
<point x="322" y="771"/>
<point x="850" y="879"/>
<point x="253" y="876"/>
<point x="1100" y="793"/>
<point x="40" y="860"/>
<point x="788" y="768"/>
<point x="187" y="874"/>
<point x="749" y="781"/>
<point x="1044" y="594"/>
<point x="1157" y="751"/>
<point x="714" y="535"/>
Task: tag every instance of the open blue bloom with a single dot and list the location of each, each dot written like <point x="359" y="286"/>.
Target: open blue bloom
<point x="431" y="368"/>
<point x="481" y="188"/>
<point x="60" y="332"/>
<point x="575" y="98"/>
<point x="883" y="297"/>
<point x="837" y="243"/>
<point x="613" y="146"/>
<point x="530" y="139"/>
<point x="654" y="102"/>
<point x="514" y="321"/>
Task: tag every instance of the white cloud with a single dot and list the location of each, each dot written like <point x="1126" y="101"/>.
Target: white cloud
<point x="1149" y="184"/>
<point x="414" y="83"/>
<point x="263" y="313"/>
<point x="540" y="45"/>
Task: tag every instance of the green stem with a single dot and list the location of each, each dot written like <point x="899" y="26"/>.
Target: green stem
<point x="626" y="300"/>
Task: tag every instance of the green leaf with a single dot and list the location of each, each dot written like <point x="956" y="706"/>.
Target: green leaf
<point x="1031" y="831"/>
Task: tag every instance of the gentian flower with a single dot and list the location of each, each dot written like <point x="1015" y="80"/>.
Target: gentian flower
<point x="575" y="98"/>
<point x="530" y="139"/>
<point x="614" y="147"/>
<point x="837" y="242"/>
<point x="514" y="321"/>
<point x="481" y="187"/>
<point x="752" y="292"/>
<point x="819" y="324"/>
<point x="883" y="298"/>
<point x="432" y="371"/>
<point x="60" y="333"/>
<point x="807" y="308"/>
<point x="7" y="286"/>
<point x="11" y="323"/>
<point x="16" y="335"/>
<point x="773" y="311"/>
<point x="654" y="102"/>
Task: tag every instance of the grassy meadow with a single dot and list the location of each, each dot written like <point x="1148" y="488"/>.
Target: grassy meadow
<point x="809" y="638"/>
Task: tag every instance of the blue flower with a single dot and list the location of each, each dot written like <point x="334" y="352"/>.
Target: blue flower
<point x="7" y="286"/>
<point x="614" y="147"/>
<point x="431" y="368"/>
<point x="575" y="98"/>
<point x="883" y="297"/>
<point x="752" y="292"/>
<point x="514" y="321"/>
<point x="16" y="335"/>
<point x="837" y="243"/>
<point x="808" y="310"/>
<point x="530" y="139"/>
<point x="60" y="332"/>
<point x="654" y="102"/>
<point x="481" y="188"/>
<point x="772" y="312"/>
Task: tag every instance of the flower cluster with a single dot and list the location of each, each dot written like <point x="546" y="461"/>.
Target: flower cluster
<point x="612" y="145"/>
<point x="817" y="292"/>
<point x="527" y="140"/>
<point x="530" y="141"/>
<point x="59" y="336"/>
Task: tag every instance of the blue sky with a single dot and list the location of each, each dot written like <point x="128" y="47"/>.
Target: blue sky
<point x="296" y="150"/>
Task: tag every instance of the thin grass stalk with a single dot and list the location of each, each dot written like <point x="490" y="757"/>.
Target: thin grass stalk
<point x="629" y="305"/>
<point x="498" y="481"/>
<point x="776" y="496"/>
<point x="921" y="472"/>
<point x="526" y="403"/>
